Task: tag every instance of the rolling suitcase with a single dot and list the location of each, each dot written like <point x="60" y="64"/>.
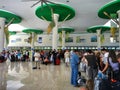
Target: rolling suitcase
<point x="34" y="68"/>
<point x="57" y="61"/>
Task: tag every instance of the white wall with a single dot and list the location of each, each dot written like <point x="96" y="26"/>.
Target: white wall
<point x="47" y="40"/>
<point x="18" y="40"/>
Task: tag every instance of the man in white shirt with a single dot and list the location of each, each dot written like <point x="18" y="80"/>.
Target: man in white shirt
<point x="37" y="59"/>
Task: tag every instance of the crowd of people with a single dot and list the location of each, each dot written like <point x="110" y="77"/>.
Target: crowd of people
<point x="14" y="55"/>
<point x="102" y="69"/>
<point x="104" y="64"/>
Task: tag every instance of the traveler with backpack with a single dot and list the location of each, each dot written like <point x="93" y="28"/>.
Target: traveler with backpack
<point x="114" y="72"/>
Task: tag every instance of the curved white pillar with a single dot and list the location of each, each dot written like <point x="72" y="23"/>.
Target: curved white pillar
<point x="2" y="25"/>
<point x="5" y="42"/>
<point x="98" y="39"/>
<point x="32" y="46"/>
<point x="55" y="32"/>
<point x="119" y="27"/>
<point x="32" y="42"/>
<point x="63" y="39"/>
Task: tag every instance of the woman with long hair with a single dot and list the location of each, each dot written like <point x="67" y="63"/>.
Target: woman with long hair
<point x="113" y="64"/>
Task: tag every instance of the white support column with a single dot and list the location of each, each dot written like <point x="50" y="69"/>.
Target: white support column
<point x="98" y="39"/>
<point x="119" y="27"/>
<point x="55" y="32"/>
<point x="32" y="42"/>
<point x="2" y="25"/>
<point x="32" y="46"/>
<point x="5" y="42"/>
<point x="63" y="39"/>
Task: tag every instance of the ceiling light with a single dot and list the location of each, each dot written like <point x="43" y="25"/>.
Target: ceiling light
<point x="67" y="1"/>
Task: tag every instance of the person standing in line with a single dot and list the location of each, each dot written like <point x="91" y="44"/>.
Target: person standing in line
<point x="37" y="59"/>
<point x="118" y="59"/>
<point x="113" y="66"/>
<point x="74" y="67"/>
<point x="54" y="52"/>
<point x="27" y="55"/>
<point x="67" y="57"/>
<point x="19" y="54"/>
<point x="104" y="64"/>
<point x="92" y="68"/>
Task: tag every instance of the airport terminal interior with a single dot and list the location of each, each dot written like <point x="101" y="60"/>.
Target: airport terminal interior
<point x="49" y="44"/>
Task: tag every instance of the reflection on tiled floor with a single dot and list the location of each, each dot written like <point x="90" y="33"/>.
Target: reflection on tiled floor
<point x="21" y="76"/>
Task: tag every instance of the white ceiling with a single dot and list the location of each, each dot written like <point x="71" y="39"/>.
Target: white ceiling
<point x="86" y="13"/>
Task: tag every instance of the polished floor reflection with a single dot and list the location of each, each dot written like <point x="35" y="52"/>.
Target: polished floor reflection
<point x="21" y="76"/>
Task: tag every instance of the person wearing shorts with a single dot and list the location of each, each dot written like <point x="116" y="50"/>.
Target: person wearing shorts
<point x="67" y="57"/>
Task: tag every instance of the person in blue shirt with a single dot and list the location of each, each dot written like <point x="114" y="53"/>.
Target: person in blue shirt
<point x="74" y="67"/>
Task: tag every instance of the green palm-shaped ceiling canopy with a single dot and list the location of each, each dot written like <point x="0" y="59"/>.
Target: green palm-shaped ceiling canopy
<point x="36" y="31"/>
<point x="94" y="29"/>
<point x="12" y="32"/>
<point x="9" y="16"/>
<point x="110" y="8"/>
<point x="44" y="12"/>
<point x="66" y="29"/>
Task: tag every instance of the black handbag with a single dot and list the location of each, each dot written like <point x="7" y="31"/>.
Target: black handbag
<point x="115" y="85"/>
<point x="34" y="68"/>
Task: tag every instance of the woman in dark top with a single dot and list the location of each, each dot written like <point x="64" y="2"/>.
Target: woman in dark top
<point x="92" y="68"/>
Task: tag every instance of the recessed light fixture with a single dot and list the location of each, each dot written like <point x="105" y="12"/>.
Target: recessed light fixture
<point x="3" y="6"/>
<point x="67" y="1"/>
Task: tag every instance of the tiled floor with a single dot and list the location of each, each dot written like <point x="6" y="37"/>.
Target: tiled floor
<point x="21" y="76"/>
